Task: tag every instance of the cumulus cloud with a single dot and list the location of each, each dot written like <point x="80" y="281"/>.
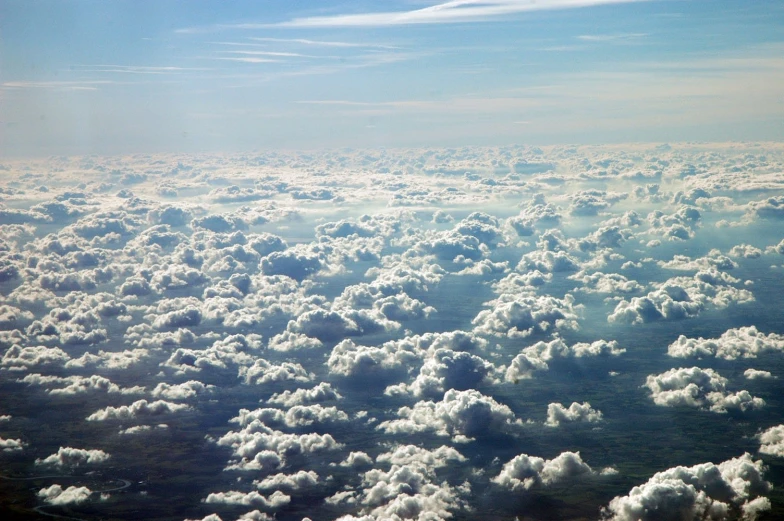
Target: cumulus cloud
<point x="111" y="295"/>
<point x="459" y="414"/>
<point x="772" y="441"/>
<point x="446" y="369"/>
<point x="138" y="409"/>
<point x="698" y="388"/>
<point x="525" y="472"/>
<point x="536" y="357"/>
<point x="682" y="297"/>
<point x="743" y="342"/>
<point x="523" y="315"/>
<point x="71" y="457"/>
<point x="323" y="392"/>
<point x="56" y="495"/>
<point x="557" y="414"/>
<point x="757" y="374"/>
<point x="262" y="372"/>
<point x="297" y="481"/>
<point x="273" y="502"/>
<point x="731" y="489"/>
<point x="181" y="391"/>
<point x="11" y="444"/>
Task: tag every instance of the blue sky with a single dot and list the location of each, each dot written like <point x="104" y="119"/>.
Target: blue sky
<point x="148" y="76"/>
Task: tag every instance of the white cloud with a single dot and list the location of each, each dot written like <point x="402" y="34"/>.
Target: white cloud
<point x="56" y="495"/>
<point x="698" y="388"/>
<point x="459" y="414"/>
<point x="11" y="445"/>
<point x="743" y="342"/>
<point x="557" y="414"/>
<point x="772" y="441"/>
<point x="138" y="409"/>
<point x="524" y="472"/>
<point x="71" y="457"/>
<point x="453" y="11"/>
<point x="273" y="502"/>
<point x="704" y="491"/>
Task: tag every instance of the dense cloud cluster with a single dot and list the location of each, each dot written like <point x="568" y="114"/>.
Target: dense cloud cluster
<point x="367" y="335"/>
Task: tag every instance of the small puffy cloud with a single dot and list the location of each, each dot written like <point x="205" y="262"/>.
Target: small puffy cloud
<point x="524" y="315"/>
<point x="305" y="415"/>
<point x="182" y="391"/>
<point x="18" y="358"/>
<point x="698" y="388"/>
<point x="333" y="325"/>
<point x="71" y="457"/>
<point x="290" y="341"/>
<point x="351" y="360"/>
<point x="236" y="194"/>
<point x="179" y="318"/>
<point x="291" y="263"/>
<point x="78" y="384"/>
<point x="557" y="414"/>
<point x="259" y="447"/>
<point x="778" y="248"/>
<point x="274" y="501"/>
<point x="743" y="342"/>
<point x="591" y="202"/>
<point x="770" y="208"/>
<point x="459" y="414"/>
<point x="141" y="429"/>
<point x="56" y="495"/>
<point x="536" y="357"/>
<point x="323" y="392"/>
<point x="548" y="261"/>
<point x="714" y="259"/>
<point x="607" y="283"/>
<point x="704" y="491"/>
<point x="297" y="481"/>
<point x="524" y="472"/>
<point x="11" y="444"/>
<point x="170" y="215"/>
<point x="745" y="251"/>
<point x="138" y="409"/>
<point x="682" y="297"/>
<point x="443" y="456"/>
<point x="757" y="374"/>
<point x="357" y="460"/>
<point x="446" y="369"/>
<point x="219" y="223"/>
<point x="263" y="371"/>
<point x="223" y="355"/>
<point x="772" y="441"/>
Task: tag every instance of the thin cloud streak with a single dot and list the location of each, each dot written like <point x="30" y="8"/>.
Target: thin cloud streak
<point x="610" y="37"/>
<point x="136" y="69"/>
<point x="323" y="43"/>
<point x="447" y="12"/>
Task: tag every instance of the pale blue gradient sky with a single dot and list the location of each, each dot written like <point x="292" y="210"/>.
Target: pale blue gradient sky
<point x="145" y="76"/>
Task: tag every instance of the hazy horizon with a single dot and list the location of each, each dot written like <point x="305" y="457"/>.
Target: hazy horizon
<point x="125" y="77"/>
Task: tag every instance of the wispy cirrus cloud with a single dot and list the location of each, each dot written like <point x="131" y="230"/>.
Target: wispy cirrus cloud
<point x="135" y="69"/>
<point x="445" y="12"/>
<point x="611" y="37"/>
<point x="58" y="85"/>
<point x="324" y="43"/>
<point x="453" y="11"/>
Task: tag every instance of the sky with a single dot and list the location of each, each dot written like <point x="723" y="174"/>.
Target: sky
<point x="112" y="77"/>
